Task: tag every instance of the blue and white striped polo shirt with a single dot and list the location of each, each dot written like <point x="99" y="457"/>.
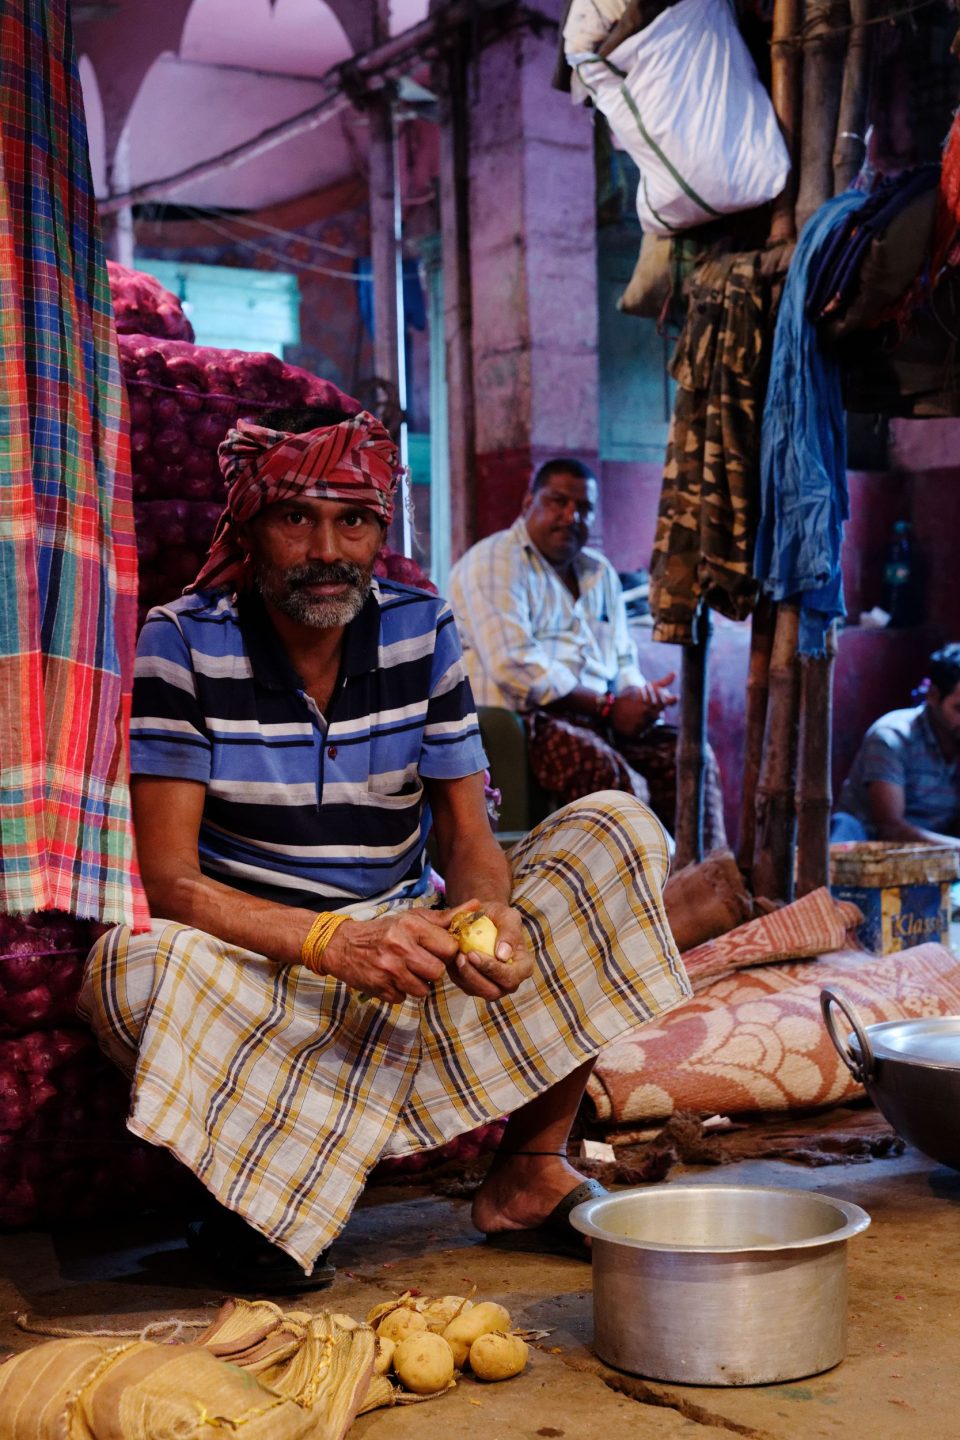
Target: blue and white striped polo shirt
<point x="303" y="809"/>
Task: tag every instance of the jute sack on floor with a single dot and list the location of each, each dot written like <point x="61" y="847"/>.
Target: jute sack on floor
<point x="88" y="1389"/>
<point x="38" y="1389"/>
<point x="256" y="1370"/>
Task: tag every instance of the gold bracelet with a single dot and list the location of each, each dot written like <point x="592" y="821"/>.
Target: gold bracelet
<point x="319" y="935"/>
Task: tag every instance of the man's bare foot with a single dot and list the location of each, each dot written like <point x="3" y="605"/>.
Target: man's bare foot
<point x="520" y="1191"/>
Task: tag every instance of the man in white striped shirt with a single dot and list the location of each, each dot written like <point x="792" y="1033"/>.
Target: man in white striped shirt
<point x="544" y="629"/>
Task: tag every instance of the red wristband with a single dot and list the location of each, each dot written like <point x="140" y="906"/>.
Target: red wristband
<point x="606" y="705"/>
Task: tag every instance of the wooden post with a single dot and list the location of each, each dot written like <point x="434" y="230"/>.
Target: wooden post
<point x="814" y="787"/>
<point x="822" y="78"/>
<point x="758" y="688"/>
<point x="692" y="743"/>
<point x="785" y="63"/>
<point x="776" y="800"/>
<point x="849" y="148"/>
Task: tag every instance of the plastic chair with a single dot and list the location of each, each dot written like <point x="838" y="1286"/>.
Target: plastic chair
<point x="524" y="802"/>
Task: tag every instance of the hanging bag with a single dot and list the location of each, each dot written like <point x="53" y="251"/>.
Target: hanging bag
<point x="684" y="99"/>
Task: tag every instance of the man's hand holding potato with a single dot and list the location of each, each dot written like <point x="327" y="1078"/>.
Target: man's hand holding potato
<point x="491" y="977"/>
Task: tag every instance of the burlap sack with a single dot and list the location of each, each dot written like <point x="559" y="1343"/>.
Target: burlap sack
<point x="39" y="1386"/>
<point x="171" y="1391"/>
<point x="287" y="1376"/>
<point x="649" y="285"/>
<point x="892" y="262"/>
<point x="706" y="899"/>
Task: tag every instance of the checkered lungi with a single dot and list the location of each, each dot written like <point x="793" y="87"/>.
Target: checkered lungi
<point x="281" y="1089"/>
<point x="573" y="755"/>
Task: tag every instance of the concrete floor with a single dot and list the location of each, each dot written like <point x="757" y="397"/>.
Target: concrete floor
<point x="900" y="1378"/>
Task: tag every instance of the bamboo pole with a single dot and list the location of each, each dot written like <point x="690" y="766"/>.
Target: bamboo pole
<point x="849" y="147"/>
<point x="814" y="787"/>
<point x="758" y="689"/>
<point x="776" y="800"/>
<point x="822" y="79"/>
<point x="692" y="743"/>
<point x="785" y="92"/>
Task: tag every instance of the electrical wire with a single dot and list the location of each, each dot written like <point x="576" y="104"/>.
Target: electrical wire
<point x="268" y="229"/>
<point x="288" y="262"/>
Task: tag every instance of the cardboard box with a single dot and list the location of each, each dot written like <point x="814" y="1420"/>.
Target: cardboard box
<point x="903" y="891"/>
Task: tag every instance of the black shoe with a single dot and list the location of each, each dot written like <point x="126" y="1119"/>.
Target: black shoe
<point x="244" y="1261"/>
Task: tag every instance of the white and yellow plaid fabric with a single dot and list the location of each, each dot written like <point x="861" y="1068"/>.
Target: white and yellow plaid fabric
<point x="281" y="1089"/>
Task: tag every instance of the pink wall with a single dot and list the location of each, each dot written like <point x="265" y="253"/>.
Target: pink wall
<point x="630" y="493"/>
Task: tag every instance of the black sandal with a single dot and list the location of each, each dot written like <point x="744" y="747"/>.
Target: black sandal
<point x="246" y="1263"/>
<point x="554" y="1235"/>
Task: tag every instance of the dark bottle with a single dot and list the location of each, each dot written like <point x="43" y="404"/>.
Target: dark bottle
<point x="900" y="576"/>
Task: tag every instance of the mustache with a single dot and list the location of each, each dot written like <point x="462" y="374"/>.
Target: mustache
<point x="341" y="572"/>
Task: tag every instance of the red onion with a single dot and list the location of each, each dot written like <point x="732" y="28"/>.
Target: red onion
<point x="143" y="306"/>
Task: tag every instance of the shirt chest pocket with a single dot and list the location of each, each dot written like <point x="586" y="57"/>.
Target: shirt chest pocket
<point x="393" y="781"/>
<point x="383" y="793"/>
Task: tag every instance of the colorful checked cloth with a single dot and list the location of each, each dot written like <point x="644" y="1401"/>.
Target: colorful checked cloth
<point x="281" y="1089"/>
<point x="355" y="461"/>
<point x="67" y="551"/>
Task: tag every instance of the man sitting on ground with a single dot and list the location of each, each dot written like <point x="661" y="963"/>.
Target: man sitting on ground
<point x="300" y="1007"/>
<point x="545" y="632"/>
<point x="905" y="781"/>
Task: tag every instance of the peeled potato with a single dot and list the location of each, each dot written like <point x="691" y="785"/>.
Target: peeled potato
<point x="475" y="931"/>
<point x="400" y="1323"/>
<point x="383" y="1355"/>
<point x="423" y="1363"/>
<point x="496" y="1356"/>
<point x="470" y="1325"/>
<point x="439" y="1313"/>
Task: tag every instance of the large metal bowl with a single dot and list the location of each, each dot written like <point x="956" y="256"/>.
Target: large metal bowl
<point x="720" y="1284"/>
<point x="911" y="1071"/>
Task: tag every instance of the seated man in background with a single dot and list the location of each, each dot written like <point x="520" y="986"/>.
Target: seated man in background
<point x="545" y="632"/>
<point x="301" y="1006"/>
<point x="905" y="781"/>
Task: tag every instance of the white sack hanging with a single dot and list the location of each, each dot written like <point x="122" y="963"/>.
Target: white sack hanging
<point x="683" y="98"/>
<point x="588" y="24"/>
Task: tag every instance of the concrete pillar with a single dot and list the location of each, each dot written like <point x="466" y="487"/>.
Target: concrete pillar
<point x="383" y="241"/>
<point x="533" y="270"/>
<point x="457" y="300"/>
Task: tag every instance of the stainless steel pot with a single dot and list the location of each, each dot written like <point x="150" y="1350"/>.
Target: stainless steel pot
<point x="720" y="1284"/>
<point x="911" y="1071"/>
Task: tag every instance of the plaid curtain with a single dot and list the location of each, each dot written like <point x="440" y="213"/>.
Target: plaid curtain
<point x="67" y="551"/>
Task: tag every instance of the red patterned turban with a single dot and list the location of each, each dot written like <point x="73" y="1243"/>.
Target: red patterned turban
<point x="355" y="462"/>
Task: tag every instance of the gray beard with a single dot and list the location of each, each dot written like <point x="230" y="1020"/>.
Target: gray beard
<point x="285" y="590"/>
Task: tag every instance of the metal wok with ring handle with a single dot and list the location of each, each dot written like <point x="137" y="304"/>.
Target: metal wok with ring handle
<point x="911" y="1071"/>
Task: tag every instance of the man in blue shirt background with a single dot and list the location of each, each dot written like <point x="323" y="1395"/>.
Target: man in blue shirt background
<point x="905" y="781"/>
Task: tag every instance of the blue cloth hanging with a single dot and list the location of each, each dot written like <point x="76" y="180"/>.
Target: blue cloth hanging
<point x="414" y="303"/>
<point x="803" y="456"/>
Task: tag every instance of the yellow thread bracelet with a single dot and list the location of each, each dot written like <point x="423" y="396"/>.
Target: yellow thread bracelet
<point x="319" y="935"/>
